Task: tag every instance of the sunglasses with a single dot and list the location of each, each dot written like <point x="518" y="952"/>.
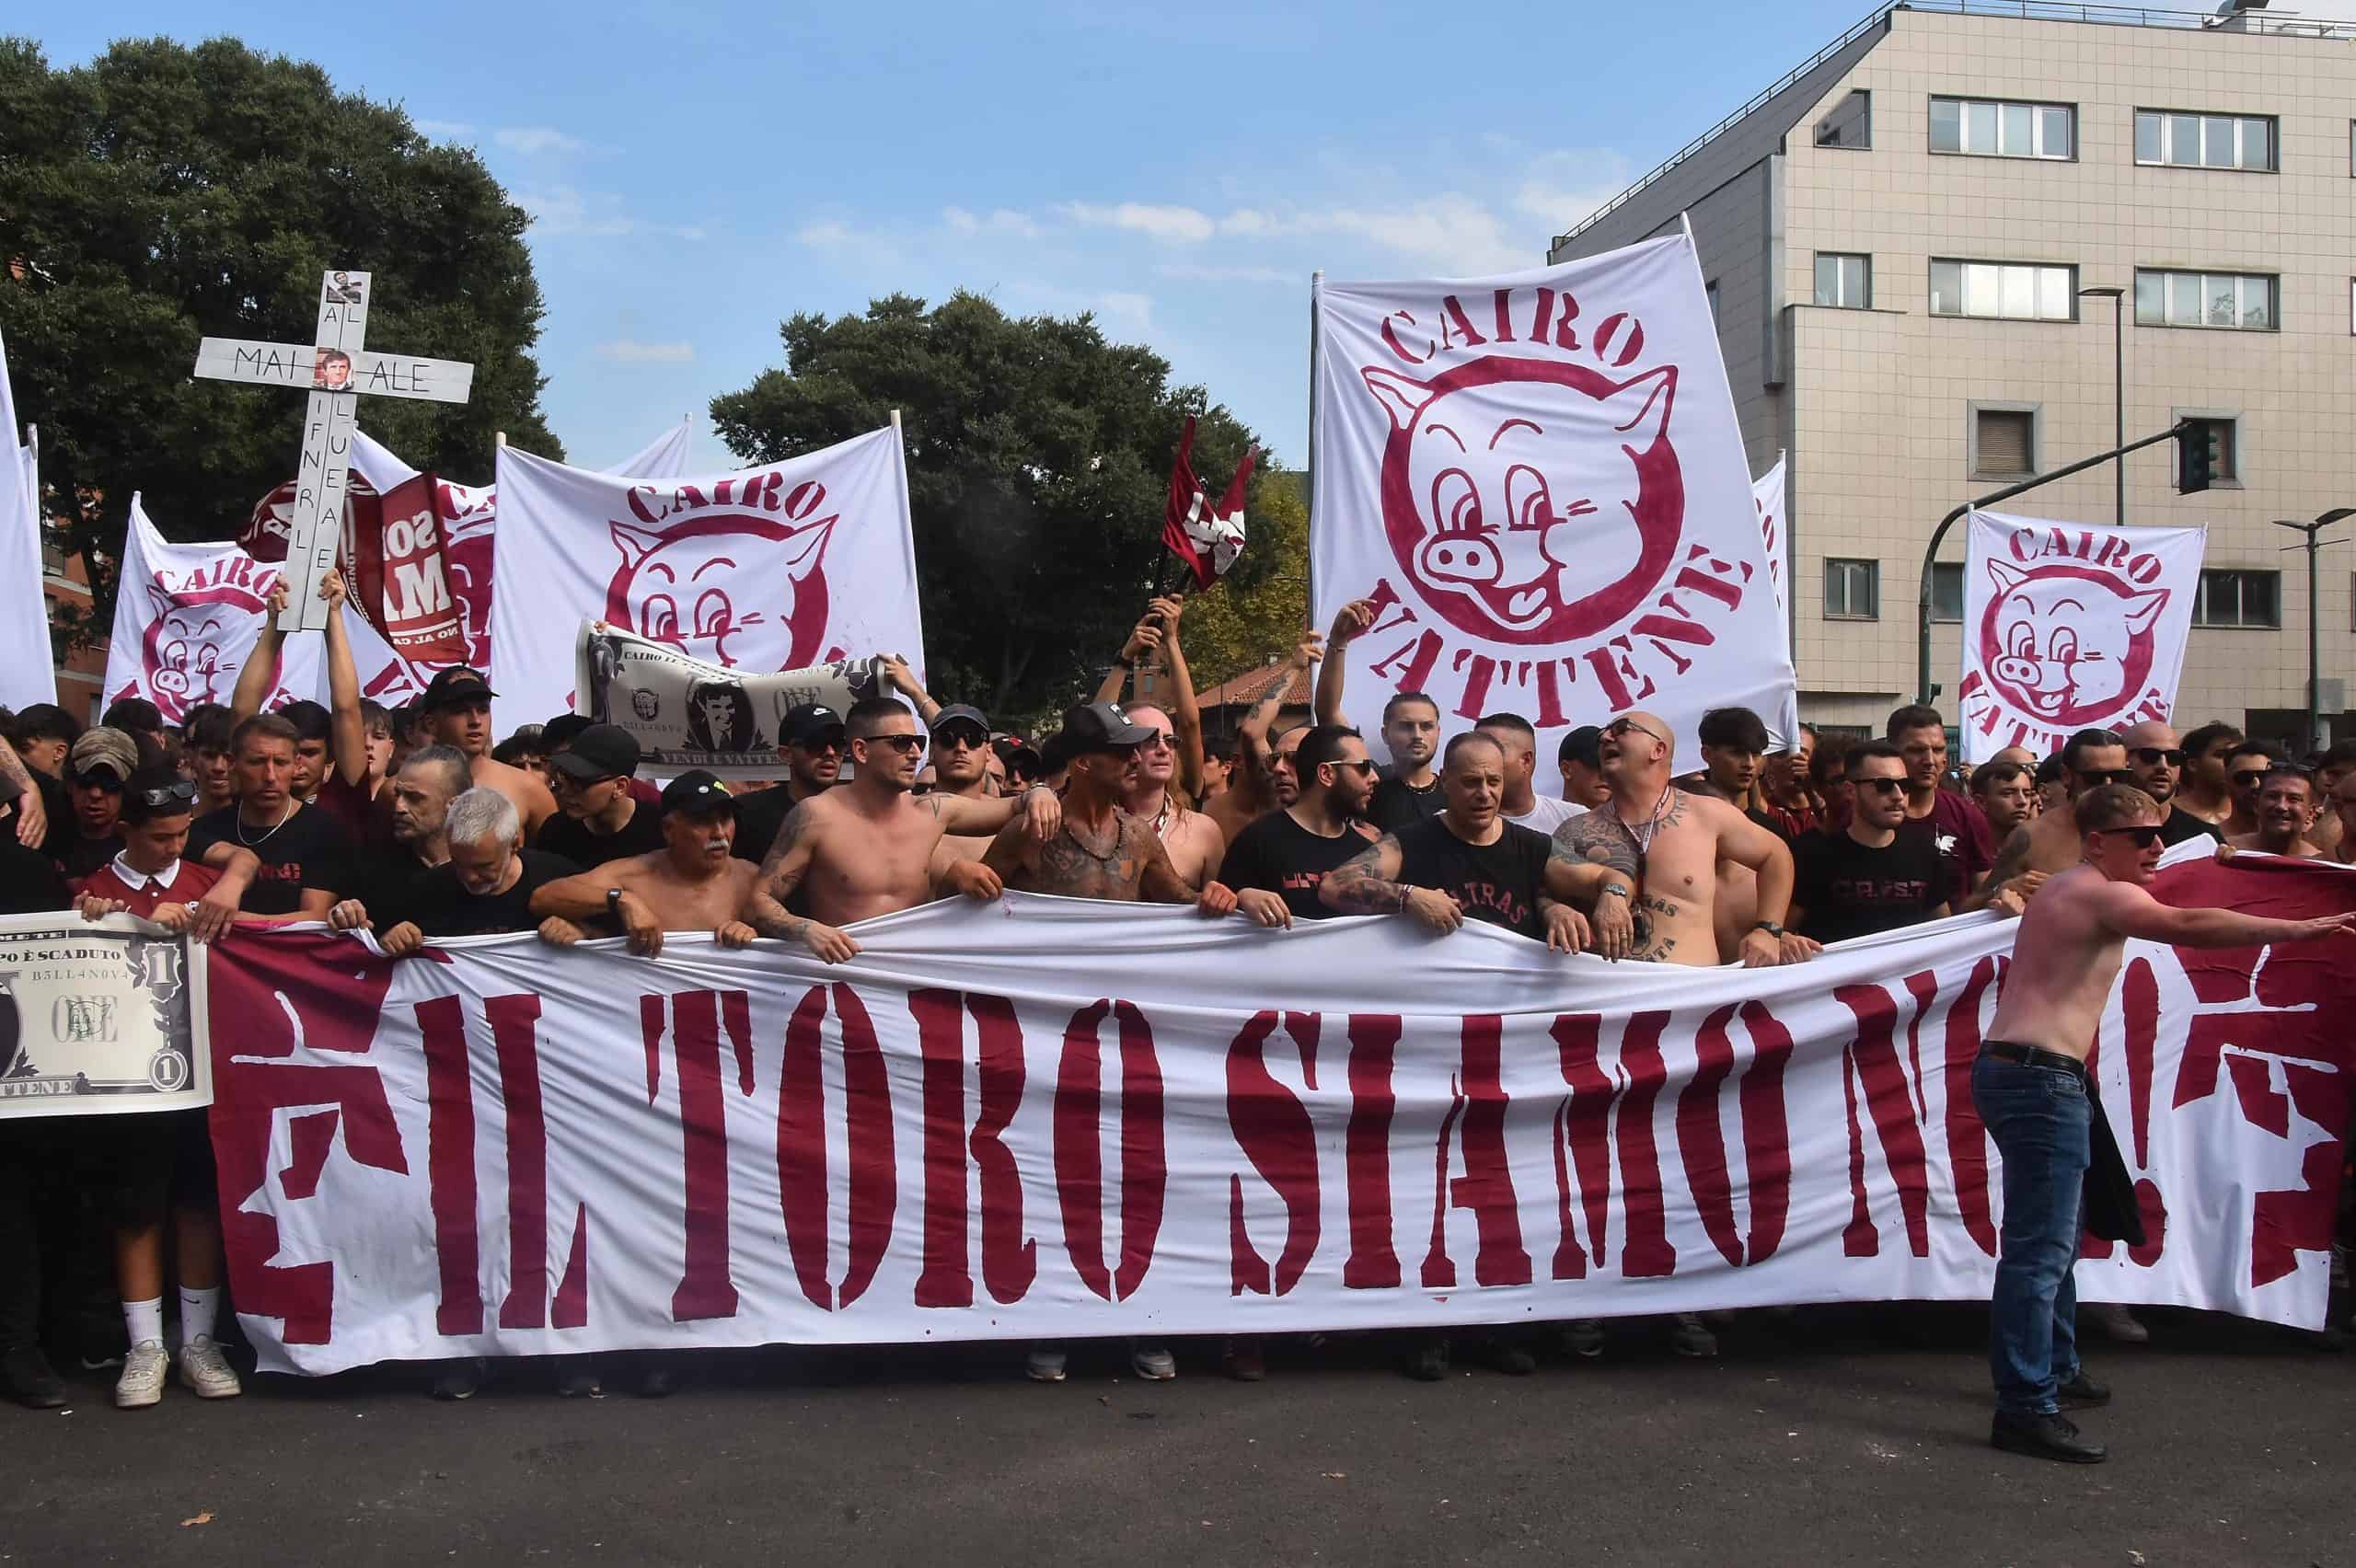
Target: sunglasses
<point x="107" y="781"/>
<point x="1364" y="765"/>
<point x="958" y="740"/>
<point x="2145" y="837"/>
<point x="2095" y="777"/>
<point x="1880" y="785"/>
<point x="2152" y="756"/>
<point x="1619" y="727"/>
<point x="2248" y="778"/>
<point x="1159" y="739"/>
<point x="906" y="745"/>
<point x="165" y="795"/>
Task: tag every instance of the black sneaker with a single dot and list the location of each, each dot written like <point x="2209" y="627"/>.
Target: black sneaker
<point x="2081" y="1392"/>
<point x="33" y="1382"/>
<point x="462" y="1378"/>
<point x="657" y="1380"/>
<point x="1510" y="1357"/>
<point x="2045" y="1437"/>
<point x="1427" y="1361"/>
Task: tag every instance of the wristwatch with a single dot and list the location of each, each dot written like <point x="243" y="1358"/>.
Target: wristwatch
<point x="1616" y="889"/>
<point x="614" y="902"/>
<point x="1769" y="927"/>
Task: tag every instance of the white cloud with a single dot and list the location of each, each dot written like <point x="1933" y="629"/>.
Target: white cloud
<point x="562" y="212"/>
<point x="447" y="130"/>
<point x="532" y="140"/>
<point x="1180" y="224"/>
<point x="999" y="221"/>
<point x="629" y="350"/>
<point x="826" y="236"/>
<point x="1206" y="273"/>
<point x="1563" y="188"/>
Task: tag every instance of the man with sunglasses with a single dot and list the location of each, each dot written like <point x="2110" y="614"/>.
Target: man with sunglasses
<point x="601" y="817"/>
<point x="2286" y="812"/>
<point x="1277" y="865"/>
<point x="867" y="848"/>
<point x="966" y="765"/>
<point x="809" y="737"/>
<point x="2155" y="757"/>
<point x="1194" y="840"/>
<point x="2246" y="767"/>
<point x="2048" y="843"/>
<point x="96" y="768"/>
<point x="2030" y="1087"/>
<point x="1872" y="877"/>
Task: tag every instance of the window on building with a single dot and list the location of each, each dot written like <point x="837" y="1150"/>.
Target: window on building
<point x="2003" y="443"/>
<point x="2227" y="433"/>
<point x="2206" y="141"/>
<point x="1985" y="128"/>
<point x="2235" y="598"/>
<point x="1852" y="590"/>
<point x="2007" y="289"/>
<point x="1844" y="281"/>
<point x="53" y="559"/>
<point x="2246" y="301"/>
<point x="1851" y="123"/>
<point x="1947" y="591"/>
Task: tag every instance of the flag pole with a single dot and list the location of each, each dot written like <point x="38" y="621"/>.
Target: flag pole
<point x="1309" y="479"/>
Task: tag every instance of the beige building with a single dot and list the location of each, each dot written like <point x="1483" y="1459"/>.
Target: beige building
<point x="1895" y="238"/>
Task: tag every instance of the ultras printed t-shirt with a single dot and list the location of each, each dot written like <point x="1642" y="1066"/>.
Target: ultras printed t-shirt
<point x="1498" y="883"/>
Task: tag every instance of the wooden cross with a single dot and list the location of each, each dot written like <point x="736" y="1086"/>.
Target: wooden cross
<point x="333" y="369"/>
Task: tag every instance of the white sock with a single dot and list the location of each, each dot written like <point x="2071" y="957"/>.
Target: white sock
<point x="143" y="1320"/>
<point x="198" y="1308"/>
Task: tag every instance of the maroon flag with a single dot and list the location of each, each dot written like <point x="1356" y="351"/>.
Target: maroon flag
<point x="1207" y="540"/>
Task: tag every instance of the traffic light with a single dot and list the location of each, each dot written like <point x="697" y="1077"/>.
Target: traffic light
<point x="2199" y="455"/>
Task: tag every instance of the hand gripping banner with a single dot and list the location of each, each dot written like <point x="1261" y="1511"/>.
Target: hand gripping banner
<point x="1054" y="1118"/>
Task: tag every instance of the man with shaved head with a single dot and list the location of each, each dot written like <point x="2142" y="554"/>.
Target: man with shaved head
<point x="2155" y="757"/>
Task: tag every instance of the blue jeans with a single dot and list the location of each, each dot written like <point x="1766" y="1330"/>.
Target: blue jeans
<point x="2038" y="1117"/>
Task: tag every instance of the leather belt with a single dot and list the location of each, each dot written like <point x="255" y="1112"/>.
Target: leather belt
<point x="2033" y="1057"/>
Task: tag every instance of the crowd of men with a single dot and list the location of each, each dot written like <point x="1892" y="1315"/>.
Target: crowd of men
<point x="411" y="824"/>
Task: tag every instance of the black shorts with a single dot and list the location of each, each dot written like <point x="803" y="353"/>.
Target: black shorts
<point x="142" y="1167"/>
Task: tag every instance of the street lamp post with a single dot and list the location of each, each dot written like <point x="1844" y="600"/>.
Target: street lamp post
<point x="2315" y="622"/>
<point x="2117" y="298"/>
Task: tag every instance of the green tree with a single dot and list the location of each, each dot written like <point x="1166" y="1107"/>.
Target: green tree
<point x="163" y="193"/>
<point x="1038" y="463"/>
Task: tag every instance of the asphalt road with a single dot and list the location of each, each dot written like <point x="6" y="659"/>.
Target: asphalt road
<point x="1844" y="1437"/>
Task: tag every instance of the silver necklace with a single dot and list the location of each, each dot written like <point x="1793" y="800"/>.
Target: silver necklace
<point x="239" y="823"/>
<point x="1642" y="838"/>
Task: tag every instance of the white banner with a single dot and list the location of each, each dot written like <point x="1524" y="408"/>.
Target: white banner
<point x="777" y="568"/>
<point x="1540" y="481"/>
<point x="2069" y="627"/>
<point x="1770" y="494"/>
<point x="185" y="618"/>
<point x="27" y="668"/>
<point x="95" y="1018"/>
<point x="1052" y="1118"/>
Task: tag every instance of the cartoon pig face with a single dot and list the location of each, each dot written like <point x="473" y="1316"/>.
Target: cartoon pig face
<point x="1532" y="501"/>
<point x="189" y="650"/>
<point x="703" y="586"/>
<point x="2069" y="645"/>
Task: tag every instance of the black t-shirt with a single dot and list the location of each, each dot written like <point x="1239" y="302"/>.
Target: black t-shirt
<point x="1280" y="856"/>
<point x="2182" y="824"/>
<point x="1395" y="805"/>
<point x="641" y="834"/>
<point x="1498" y="882"/>
<point x="758" y="816"/>
<point x="79" y="856"/>
<point x="309" y="849"/>
<point x="31" y="882"/>
<point x="1845" y="889"/>
<point x="438" y="906"/>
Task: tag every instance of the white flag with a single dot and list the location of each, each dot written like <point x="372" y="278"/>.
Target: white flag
<point x="1540" y="481"/>
<point x="775" y="567"/>
<point x="28" y="670"/>
<point x="2069" y="627"/>
<point x="185" y="619"/>
<point x="1769" y="494"/>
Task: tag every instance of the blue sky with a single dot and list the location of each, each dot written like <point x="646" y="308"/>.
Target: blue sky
<point x="698" y="170"/>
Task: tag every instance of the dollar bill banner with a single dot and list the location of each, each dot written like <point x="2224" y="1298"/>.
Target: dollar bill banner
<point x="97" y="1015"/>
<point x="687" y="713"/>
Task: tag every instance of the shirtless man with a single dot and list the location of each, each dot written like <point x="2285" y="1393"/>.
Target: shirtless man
<point x="1672" y="843"/>
<point x="867" y="848"/>
<point x="1254" y="788"/>
<point x="456" y="706"/>
<point x="692" y="883"/>
<point x="2030" y="1089"/>
<point x="2343" y="805"/>
<point x="963" y="764"/>
<point x="1194" y="842"/>
<point x="2047" y="842"/>
<point x="2286" y="814"/>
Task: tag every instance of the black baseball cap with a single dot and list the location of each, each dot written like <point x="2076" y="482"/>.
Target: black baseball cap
<point x="558" y="732"/>
<point x="1099" y="727"/>
<point x="1583" y="745"/>
<point x="959" y="713"/>
<point x="809" y="721"/>
<point x="698" y="794"/>
<point x="599" y="751"/>
<point x="454" y="688"/>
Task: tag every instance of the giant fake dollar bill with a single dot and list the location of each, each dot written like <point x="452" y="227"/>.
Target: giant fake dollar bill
<point x="686" y="713"/>
<point x="96" y="1017"/>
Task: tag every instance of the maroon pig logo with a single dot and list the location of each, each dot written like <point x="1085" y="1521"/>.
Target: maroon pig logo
<point x="702" y="586"/>
<point x="1531" y="501"/>
<point x="194" y="643"/>
<point x="2071" y="644"/>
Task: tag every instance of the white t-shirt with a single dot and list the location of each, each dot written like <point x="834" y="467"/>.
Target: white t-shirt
<point x="1548" y="813"/>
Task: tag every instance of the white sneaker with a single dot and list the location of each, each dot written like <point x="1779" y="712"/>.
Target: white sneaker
<point x="144" y="1370"/>
<point x="1044" y="1364"/>
<point x="205" y="1372"/>
<point x="1153" y="1362"/>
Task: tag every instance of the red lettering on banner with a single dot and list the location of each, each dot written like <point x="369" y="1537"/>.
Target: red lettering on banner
<point x="2139" y="1018"/>
<point x="1439" y="1270"/>
<point x="707" y="1287"/>
<point x="450" y="1165"/>
<point x="1276" y="1135"/>
<point x="1648" y="1252"/>
<point x="1871" y="1058"/>
<point x="1487" y="1187"/>
<point x="1582" y="1131"/>
<point x="1079" y="1157"/>
<point x="1456" y="328"/>
<point x="1967" y="1140"/>
<point x="1766" y="1133"/>
<point x="802" y="1148"/>
<point x="1010" y="1261"/>
<point x="1373" y="1262"/>
<point x="515" y="1039"/>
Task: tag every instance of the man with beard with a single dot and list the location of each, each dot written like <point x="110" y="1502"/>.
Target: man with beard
<point x="428" y="781"/>
<point x="2204" y="791"/>
<point x="1784" y="788"/>
<point x="1253" y="788"/>
<point x="96" y="771"/>
<point x="2030" y="1087"/>
<point x="809" y="737"/>
<point x="2007" y="792"/>
<point x="1193" y="841"/>
<point x="2156" y="762"/>
<point x="867" y="848"/>
<point x="1956" y="825"/>
<point x="2286" y="810"/>
<point x="963" y="764"/>
<point x="1523" y="806"/>
<point x="1277" y="865"/>
<point x="1871" y="878"/>
<point x="693" y="883"/>
<point x="602" y="814"/>
<point x="1409" y="789"/>
<point x="2245" y="768"/>
<point x="457" y="705"/>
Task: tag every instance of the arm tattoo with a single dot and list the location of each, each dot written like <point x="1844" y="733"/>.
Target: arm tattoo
<point x="1358" y="891"/>
<point x="777" y="883"/>
<point x="1593" y="840"/>
<point x="767" y="915"/>
<point x="13" y="766"/>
